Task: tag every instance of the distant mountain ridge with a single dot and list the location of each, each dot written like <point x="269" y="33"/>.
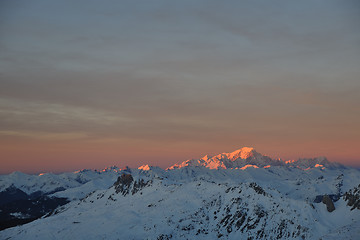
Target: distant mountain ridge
<point x="243" y="158"/>
<point x="249" y="157"/>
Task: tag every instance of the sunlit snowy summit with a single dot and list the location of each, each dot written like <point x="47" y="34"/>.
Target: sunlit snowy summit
<point x="237" y="195"/>
<point x="249" y="157"/>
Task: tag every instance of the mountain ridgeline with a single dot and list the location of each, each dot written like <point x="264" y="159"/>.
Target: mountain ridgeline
<point x="237" y="195"/>
<point x="248" y="157"/>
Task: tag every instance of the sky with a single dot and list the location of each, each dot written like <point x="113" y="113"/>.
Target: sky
<point x="90" y="84"/>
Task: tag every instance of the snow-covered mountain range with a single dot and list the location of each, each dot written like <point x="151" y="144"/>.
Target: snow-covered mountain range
<point x="248" y="157"/>
<point x="238" y="195"/>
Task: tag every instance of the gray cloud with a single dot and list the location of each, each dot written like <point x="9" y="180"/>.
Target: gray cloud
<point x="207" y="72"/>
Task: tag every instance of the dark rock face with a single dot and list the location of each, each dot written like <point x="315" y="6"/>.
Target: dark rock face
<point x="258" y="189"/>
<point x="123" y="183"/>
<point x="333" y="197"/>
<point x="138" y="185"/>
<point x="353" y="198"/>
<point x="329" y="203"/>
<point x="164" y="237"/>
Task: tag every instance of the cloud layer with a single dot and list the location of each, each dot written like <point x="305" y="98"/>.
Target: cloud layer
<point x="161" y="81"/>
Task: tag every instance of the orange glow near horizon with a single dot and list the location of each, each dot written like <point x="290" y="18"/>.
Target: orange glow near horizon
<point x="32" y="156"/>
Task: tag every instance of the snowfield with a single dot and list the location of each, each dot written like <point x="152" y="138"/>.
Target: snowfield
<point x="220" y="197"/>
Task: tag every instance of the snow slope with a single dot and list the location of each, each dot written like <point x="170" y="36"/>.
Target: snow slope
<point x="252" y="197"/>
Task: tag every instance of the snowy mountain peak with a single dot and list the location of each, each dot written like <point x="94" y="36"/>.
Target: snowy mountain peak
<point x="237" y="159"/>
<point x="243" y="153"/>
<point x="248" y="156"/>
<point x="144" y="167"/>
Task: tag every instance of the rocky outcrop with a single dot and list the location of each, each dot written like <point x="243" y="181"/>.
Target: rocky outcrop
<point x="329" y="203"/>
<point x="258" y="189"/>
<point x="353" y="198"/>
<point x="123" y="183"/>
<point x="333" y="197"/>
<point x="138" y="185"/>
<point x="126" y="184"/>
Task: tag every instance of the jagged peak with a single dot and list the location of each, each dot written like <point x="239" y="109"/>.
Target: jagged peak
<point x="236" y="159"/>
<point x="243" y="153"/>
<point x="111" y="169"/>
<point x="82" y="170"/>
<point x="206" y="157"/>
<point x="144" y="167"/>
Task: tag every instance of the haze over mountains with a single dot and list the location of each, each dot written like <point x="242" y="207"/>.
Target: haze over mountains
<point x="237" y="195"/>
